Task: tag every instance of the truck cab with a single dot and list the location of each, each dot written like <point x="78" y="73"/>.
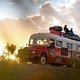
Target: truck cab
<point x="40" y="45"/>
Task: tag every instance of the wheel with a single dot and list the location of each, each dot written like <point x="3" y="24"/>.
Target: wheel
<point x="73" y="64"/>
<point x="43" y="60"/>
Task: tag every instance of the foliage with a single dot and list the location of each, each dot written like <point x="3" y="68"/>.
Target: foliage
<point x="11" y="48"/>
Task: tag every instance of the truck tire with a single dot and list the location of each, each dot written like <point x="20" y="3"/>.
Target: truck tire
<point x="43" y="59"/>
<point x="73" y="64"/>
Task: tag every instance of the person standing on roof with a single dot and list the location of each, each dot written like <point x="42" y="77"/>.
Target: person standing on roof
<point x="66" y="29"/>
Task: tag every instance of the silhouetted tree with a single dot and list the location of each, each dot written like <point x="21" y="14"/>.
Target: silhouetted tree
<point x="11" y="48"/>
<point x="8" y="47"/>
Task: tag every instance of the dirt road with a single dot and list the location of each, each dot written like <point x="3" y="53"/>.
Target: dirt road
<point x="37" y="72"/>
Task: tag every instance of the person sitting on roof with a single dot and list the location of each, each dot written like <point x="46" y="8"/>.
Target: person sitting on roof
<point x="70" y="33"/>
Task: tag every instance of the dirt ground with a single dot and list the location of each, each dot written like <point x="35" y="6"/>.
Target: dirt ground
<point x="23" y="71"/>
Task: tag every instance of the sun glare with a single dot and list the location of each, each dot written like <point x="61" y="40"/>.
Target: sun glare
<point x="12" y="57"/>
<point x="2" y="46"/>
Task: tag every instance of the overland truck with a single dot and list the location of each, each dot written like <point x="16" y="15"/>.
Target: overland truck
<point x="52" y="48"/>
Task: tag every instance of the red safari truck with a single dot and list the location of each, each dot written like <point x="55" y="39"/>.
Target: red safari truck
<point x="53" y="49"/>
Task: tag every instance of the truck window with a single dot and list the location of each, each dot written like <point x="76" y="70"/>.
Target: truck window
<point x="69" y="46"/>
<point x="52" y="45"/>
<point x="78" y="47"/>
<point x="31" y="41"/>
<point x="51" y="41"/>
<point x="58" y="43"/>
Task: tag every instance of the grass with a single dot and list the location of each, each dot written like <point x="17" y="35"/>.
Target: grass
<point x="9" y="71"/>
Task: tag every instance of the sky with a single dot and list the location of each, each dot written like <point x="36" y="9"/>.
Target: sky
<point x="21" y="18"/>
<point x="22" y="8"/>
<point x="19" y="8"/>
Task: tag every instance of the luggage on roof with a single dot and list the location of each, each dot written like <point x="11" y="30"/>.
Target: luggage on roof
<point x="56" y="28"/>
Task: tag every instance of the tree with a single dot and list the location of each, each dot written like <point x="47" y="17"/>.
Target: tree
<point x="11" y="48"/>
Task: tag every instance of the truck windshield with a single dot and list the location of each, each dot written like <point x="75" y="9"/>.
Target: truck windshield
<point x="38" y="42"/>
<point x="42" y="41"/>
